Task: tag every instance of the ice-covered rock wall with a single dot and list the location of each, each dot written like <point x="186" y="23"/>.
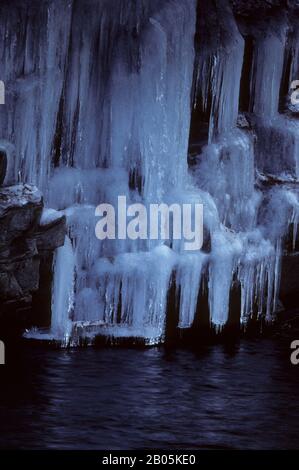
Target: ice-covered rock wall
<point x="243" y="150"/>
<point x="100" y="97"/>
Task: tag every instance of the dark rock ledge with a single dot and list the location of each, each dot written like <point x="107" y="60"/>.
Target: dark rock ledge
<point x="28" y="235"/>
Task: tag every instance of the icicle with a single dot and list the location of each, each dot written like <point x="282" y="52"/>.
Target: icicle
<point x="63" y="292"/>
<point x="220" y="53"/>
<point x="188" y="277"/>
<point x="226" y="248"/>
<point x="226" y="170"/>
<point x="133" y="293"/>
<point x="267" y="70"/>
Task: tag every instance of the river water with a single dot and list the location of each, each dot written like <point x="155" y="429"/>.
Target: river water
<point x="242" y="397"/>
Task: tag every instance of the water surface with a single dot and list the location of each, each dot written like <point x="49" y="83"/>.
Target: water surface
<point x="245" y="397"/>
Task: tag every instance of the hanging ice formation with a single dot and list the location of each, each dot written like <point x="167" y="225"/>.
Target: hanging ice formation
<point x="99" y="105"/>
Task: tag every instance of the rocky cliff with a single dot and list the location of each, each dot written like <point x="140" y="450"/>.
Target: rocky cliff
<point x="28" y="236"/>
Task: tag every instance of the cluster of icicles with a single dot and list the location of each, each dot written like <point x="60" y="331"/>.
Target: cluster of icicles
<point x="101" y="108"/>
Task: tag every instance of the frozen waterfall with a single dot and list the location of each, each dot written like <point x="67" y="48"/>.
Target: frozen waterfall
<point x="99" y="104"/>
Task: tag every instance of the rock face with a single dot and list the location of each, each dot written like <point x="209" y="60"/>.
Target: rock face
<point x="290" y="280"/>
<point x="3" y="166"/>
<point x="27" y="235"/>
<point x="260" y="7"/>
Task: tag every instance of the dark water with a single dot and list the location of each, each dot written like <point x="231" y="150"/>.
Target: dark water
<point x="246" y="397"/>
